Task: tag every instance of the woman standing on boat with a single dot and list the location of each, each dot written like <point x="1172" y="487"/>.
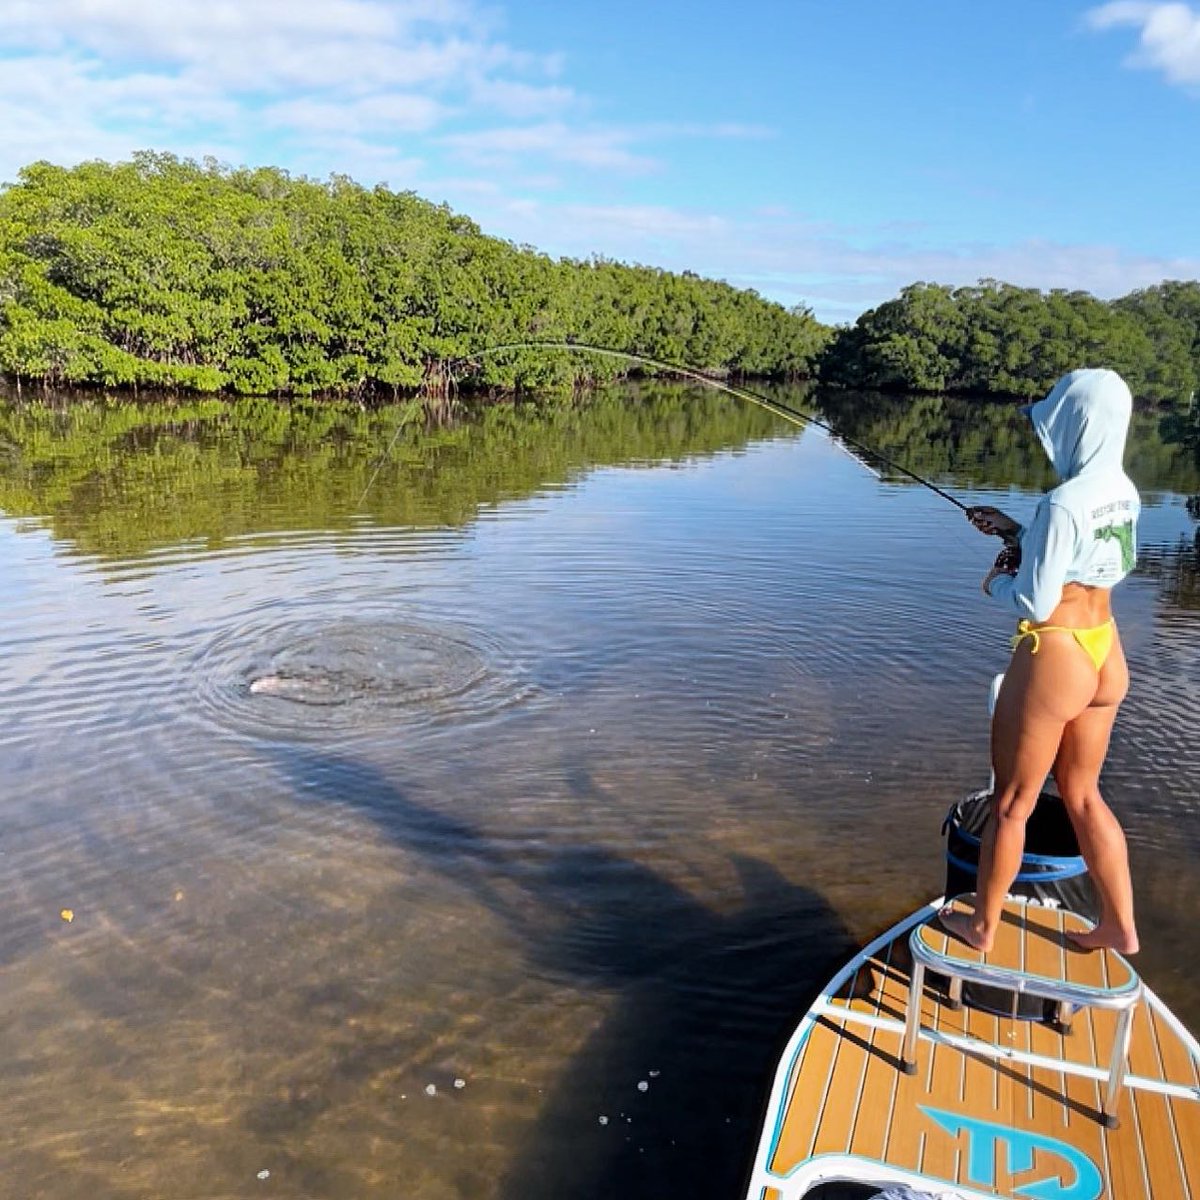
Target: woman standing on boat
<point x="1067" y="677"/>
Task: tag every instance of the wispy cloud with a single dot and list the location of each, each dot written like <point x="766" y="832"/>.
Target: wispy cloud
<point x="268" y="44"/>
<point x="651" y="226"/>
<point x="508" y="98"/>
<point x="1169" y="37"/>
<point x="67" y="110"/>
<point x="553" y="141"/>
<point x="610" y="149"/>
<point x="315" y="85"/>
<point x="375" y="114"/>
<point x="84" y="78"/>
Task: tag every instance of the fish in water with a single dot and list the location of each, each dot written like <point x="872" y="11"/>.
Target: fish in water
<point x="301" y="689"/>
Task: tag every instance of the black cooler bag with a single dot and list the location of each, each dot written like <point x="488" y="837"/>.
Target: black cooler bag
<point x="1052" y="871"/>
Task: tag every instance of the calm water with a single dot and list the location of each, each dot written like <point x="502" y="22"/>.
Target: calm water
<point x="405" y="837"/>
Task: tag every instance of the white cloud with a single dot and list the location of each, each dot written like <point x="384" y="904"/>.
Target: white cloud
<point x="645" y="222"/>
<point x="510" y="98"/>
<point x="189" y="31"/>
<point x="316" y="85"/>
<point x="554" y="141"/>
<point x="267" y="46"/>
<point x="1169" y="40"/>
<point x="66" y="111"/>
<point x="65" y="87"/>
<point x="380" y="113"/>
<point x="593" y="148"/>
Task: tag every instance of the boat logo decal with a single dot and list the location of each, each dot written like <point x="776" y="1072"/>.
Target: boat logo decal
<point x="1079" y="1179"/>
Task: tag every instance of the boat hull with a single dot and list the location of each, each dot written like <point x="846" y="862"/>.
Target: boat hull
<point x="997" y="1107"/>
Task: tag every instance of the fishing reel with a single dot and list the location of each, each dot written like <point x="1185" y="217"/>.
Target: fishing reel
<point x="1008" y="561"/>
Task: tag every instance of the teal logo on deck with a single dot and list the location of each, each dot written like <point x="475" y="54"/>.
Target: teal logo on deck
<point x="1080" y="1179"/>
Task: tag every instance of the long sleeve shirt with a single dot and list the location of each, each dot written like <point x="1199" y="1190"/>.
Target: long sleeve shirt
<point x="1085" y="530"/>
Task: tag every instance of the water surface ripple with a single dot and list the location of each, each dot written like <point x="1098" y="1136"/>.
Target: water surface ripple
<point x="265" y="678"/>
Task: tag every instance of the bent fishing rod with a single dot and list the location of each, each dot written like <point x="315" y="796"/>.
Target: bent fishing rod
<point x="794" y="415"/>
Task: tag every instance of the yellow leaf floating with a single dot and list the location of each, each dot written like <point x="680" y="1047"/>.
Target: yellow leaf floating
<point x="67" y="914"/>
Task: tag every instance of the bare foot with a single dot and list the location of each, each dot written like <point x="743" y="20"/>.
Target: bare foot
<point x="962" y="926"/>
<point x="1106" y="937"/>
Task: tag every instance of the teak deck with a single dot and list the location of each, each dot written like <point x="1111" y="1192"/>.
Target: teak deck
<point x="997" y="1106"/>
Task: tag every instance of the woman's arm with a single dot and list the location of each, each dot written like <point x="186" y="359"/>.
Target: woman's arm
<point x="1048" y="547"/>
<point x="992" y="521"/>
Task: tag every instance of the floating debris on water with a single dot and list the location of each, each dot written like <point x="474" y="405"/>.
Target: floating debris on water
<point x="654" y="1074"/>
<point x="643" y="1086"/>
<point x="264" y="1174"/>
<point x="67" y="914"/>
<point x="431" y="1089"/>
<point x="460" y="1084"/>
<point x="603" y="1119"/>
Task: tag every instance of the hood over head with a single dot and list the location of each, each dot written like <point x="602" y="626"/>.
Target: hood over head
<point x="1083" y="421"/>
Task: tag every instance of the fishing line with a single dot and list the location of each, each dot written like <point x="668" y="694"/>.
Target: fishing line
<point x="785" y="411"/>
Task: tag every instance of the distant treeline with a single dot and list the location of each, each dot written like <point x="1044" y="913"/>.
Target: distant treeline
<point x="1000" y="340"/>
<point x="165" y="273"/>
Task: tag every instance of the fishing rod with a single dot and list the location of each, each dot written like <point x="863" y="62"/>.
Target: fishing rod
<point x="785" y="411"/>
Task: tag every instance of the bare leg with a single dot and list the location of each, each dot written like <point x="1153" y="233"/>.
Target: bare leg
<point x="1101" y="840"/>
<point x="1041" y="694"/>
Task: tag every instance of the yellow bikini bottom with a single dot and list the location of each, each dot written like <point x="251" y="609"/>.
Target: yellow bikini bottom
<point x="1097" y="641"/>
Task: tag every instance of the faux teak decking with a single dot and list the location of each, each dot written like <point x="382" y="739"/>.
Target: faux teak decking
<point x="998" y="1106"/>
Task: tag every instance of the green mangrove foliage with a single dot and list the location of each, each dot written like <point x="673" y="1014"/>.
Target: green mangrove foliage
<point x="997" y="339"/>
<point x="166" y="273"/>
<point x="122" y="479"/>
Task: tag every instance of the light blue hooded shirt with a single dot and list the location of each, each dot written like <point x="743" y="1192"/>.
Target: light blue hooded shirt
<point x="1085" y="530"/>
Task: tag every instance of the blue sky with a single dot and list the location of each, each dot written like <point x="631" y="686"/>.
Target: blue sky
<point x="821" y="152"/>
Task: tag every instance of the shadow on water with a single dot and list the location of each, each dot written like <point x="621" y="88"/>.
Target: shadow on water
<point x="713" y="1020"/>
<point x="703" y="1002"/>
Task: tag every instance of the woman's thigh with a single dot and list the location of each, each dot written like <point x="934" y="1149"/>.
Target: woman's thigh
<point x="1082" y="751"/>
<point x="1041" y="695"/>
